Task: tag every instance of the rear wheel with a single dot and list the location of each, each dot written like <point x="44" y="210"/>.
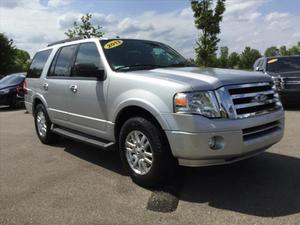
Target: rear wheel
<point x="145" y="153"/>
<point x="43" y="125"/>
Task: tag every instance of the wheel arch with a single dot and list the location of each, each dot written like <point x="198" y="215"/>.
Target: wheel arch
<point x="134" y="111"/>
<point x="38" y="100"/>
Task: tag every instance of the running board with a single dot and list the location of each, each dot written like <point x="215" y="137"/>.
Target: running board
<point x="78" y="136"/>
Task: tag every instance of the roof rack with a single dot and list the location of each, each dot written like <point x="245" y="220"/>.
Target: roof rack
<point x="65" y="41"/>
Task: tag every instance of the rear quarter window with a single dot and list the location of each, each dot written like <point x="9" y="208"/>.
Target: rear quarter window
<point x="38" y="63"/>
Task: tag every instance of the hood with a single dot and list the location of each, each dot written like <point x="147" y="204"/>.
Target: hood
<point x="204" y="78"/>
<point x="286" y="74"/>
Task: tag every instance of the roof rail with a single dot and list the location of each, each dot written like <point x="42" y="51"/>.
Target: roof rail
<point x="65" y="41"/>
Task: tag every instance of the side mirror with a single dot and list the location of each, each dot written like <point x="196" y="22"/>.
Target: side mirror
<point x="89" y="70"/>
<point x="259" y="69"/>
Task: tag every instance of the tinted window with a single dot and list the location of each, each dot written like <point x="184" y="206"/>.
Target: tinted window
<point x="87" y="59"/>
<point x="38" y="63"/>
<point x="62" y="64"/>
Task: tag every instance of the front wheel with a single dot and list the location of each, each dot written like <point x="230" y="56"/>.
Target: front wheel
<point x="145" y="153"/>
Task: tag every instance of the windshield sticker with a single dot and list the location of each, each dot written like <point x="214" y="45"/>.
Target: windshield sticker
<point x="272" y="61"/>
<point x="113" y="44"/>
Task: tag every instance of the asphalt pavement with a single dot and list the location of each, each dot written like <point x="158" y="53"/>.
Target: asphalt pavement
<point x="74" y="183"/>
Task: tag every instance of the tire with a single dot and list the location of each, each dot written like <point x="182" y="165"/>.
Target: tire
<point x="140" y="170"/>
<point x="45" y="135"/>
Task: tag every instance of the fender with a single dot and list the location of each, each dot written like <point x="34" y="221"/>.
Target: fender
<point x="145" y="102"/>
<point x="39" y="97"/>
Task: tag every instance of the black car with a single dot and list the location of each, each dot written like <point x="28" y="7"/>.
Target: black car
<point x="285" y="71"/>
<point x="12" y="88"/>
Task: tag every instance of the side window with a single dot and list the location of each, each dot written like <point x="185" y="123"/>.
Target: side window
<point x="256" y="63"/>
<point x="87" y="61"/>
<point x="263" y="64"/>
<point x="38" y="63"/>
<point x="63" y="62"/>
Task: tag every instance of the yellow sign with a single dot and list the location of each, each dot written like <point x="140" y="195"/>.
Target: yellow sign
<point x="113" y="44"/>
<point x="272" y="61"/>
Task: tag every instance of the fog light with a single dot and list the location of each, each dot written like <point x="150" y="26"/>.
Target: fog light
<point x="212" y="142"/>
<point x="216" y="142"/>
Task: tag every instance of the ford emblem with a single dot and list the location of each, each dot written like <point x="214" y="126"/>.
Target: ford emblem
<point x="261" y="98"/>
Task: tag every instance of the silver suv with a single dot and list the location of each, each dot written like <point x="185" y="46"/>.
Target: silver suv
<point x="145" y="99"/>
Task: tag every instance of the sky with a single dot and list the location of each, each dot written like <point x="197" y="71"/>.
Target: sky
<point x="32" y="24"/>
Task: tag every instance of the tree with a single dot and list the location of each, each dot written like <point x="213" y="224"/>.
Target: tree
<point x="208" y="21"/>
<point x="294" y="50"/>
<point x="283" y="50"/>
<point x="233" y="60"/>
<point x="272" y="51"/>
<point x="248" y="57"/>
<point x="223" y="60"/>
<point x="22" y="59"/>
<point x="12" y="59"/>
<point x="7" y="51"/>
<point x="86" y="29"/>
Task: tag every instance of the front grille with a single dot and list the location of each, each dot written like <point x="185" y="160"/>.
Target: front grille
<point x="290" y="83"/>
<point x="259" y="131"/>
<point x="253" y="99"/>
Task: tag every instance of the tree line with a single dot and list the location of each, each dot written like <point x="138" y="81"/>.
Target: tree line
<point x="246" y="59"/>
<point x="12" y="59"/>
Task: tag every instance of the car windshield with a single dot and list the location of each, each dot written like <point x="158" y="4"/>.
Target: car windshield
<point x="129" y="55"/>
<point x="11" y="80"/>
<point x="285" y="64"/>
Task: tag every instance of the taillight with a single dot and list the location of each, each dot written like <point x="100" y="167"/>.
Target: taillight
<point x="24" y="87"/>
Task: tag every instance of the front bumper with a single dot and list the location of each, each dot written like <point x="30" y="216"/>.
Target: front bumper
<point x="290" y="96"/>
<point x="190" y="144"/>
<point x="6" y="99"/>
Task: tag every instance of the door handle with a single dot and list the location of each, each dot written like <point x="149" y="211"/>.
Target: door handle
<point x="45" y="86"/>
<point x="73" y="88"/>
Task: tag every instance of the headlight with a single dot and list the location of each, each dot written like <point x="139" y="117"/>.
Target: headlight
<point x="277" y="82"/>
<point x="203" y="103"/>
<point x="4" y="91"/>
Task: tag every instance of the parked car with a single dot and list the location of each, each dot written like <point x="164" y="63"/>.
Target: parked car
<point x="145" y="99"/>
<point x="285" y="71"/>
<point x="12" y="90"/>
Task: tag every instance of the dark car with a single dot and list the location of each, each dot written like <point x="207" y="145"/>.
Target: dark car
<point x="285" y="71"/>
<point x="12" y="88"/>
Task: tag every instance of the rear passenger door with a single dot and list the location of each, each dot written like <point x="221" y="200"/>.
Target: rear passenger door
<point x="56" y="84"/>
<point x="86" y="96"/>
<point x="33" y="77"/>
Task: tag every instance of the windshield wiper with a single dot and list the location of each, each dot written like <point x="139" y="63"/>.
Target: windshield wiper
<point x="179" y="65"/>
<point x="138" y="67"/>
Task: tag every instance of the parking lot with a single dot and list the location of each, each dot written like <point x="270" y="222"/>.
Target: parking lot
<point x="73" y="183"/>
